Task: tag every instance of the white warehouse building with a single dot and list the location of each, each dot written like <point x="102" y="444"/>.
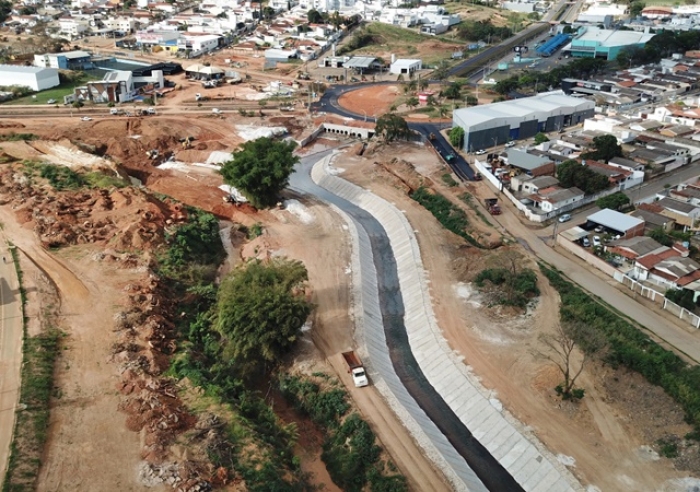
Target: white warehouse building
<point x="36" y="78"/>
<point x="498" y="123"/>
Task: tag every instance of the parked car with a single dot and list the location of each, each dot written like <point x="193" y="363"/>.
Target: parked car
<point x="51" y="101"/>
<point x="86" y="118"/>
<point x="596" y="241"/>
<point x="599" y="229"/>
<point x="510" y="144"/>
<point x="480" y="152"/>
<point x="565" y="218"/>
<point x="586" y="243"/>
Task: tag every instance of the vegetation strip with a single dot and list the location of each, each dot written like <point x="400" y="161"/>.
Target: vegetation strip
<point x="450" y="216"/>
<point x="628" y="346"/>
<point x="32" y="421"/>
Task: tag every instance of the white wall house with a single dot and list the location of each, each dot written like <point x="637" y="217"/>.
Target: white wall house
<point x="122" y="24"/>
<point x="36" y="78"/>
<point x="405" y="66"/>
<point x="72" y="28"/>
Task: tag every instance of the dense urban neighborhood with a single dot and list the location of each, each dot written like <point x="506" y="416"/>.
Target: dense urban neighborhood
<point x="363" y="246"/>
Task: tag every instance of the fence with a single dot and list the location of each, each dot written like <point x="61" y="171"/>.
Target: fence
<point x="586" y="256"/>
<point x="658" y="298"/>
<point x="527" y="211"/>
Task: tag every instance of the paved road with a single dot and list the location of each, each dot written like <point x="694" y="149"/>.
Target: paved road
<point x="329" y="104"/>
<point x="10" y="353"/>
<point x="685" y="341"/>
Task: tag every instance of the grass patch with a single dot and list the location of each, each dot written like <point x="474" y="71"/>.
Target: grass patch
<point x="16" y="137"/>
<point x="63" y="178"/>
<point x="667" y="448"/>
<point x="39" y="355"/>
<point x="398" y="40"/>
<point x="629" y="347"/>
<point x="450" y="216"/>
<point x="449" y="180"/>
<point x="56" y="93"/>
<point x="469" y="200"/>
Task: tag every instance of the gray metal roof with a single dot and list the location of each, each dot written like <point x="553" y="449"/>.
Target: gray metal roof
<point x="676" y="206"/>
<point x="523" y="160"/>
<point x="641" y="245"/>
<point x="615" y="220"/>
<point x="360" y="62"/>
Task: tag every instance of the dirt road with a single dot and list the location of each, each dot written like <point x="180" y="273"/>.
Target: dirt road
<point x="685" y="341"/>
<point x="10" y="352"/>
<point x="323" y="247"/>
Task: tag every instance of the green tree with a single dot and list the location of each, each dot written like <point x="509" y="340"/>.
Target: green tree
<point x="314" y="17"/>
<point x="260" y="310"/>
<point x="572" y="173"/>
<point x="615" y="201"/>
<point x="392" y="127"/>
<point x="606" y="148"/>
<point x="541" y="138"/>
<point x="5" y="10"/>
<point x="636" y="8"/>
<point x="660" y="236"/>
<point x="682" y="297"/>
<point x="457" y="137"/>
<point x="453" y="91"/>
<point x="472" y="100"/>
<point x="412" y="102"/>
<point x="423" y="84"/>
<point x="260" y="170"/>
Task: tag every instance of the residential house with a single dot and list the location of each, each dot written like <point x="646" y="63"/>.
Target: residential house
<point x="684" y="213"/>
<point x="623" y="225"/>
<point x="635" y="247"/>
<point x="529" y="185"/>
<point x="555" y="198"/>
<point x="626" y="164"/>
<point x="686" y="193"/>
<point x="669" y="269"/>
<point x="617" y="176"/>
<point x="529" y="163"/>
<point x="652" y="218"/>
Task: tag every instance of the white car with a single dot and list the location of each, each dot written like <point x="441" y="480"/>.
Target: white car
<point x="565" y="218"/>
<point x="216" y="110"/>
<point x="86" y="118"/>
<point x="480" y="152"/>
<point x="51" y="101"/>
<point x="596" y="241"/>
<point x="510" y="144"/>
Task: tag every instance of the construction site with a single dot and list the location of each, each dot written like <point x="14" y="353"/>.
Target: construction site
<point x="89" y="255"/>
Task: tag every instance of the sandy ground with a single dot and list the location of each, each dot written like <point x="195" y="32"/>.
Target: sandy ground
<point x="85" y="436"/>
<point x="604" y="435"/>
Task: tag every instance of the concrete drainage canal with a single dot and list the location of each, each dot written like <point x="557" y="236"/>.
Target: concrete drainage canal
<point x="493" y="476"/>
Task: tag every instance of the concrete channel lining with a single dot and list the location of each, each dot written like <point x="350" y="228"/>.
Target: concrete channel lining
<point x="368" y="321"/>
<point x="527" y="457"/>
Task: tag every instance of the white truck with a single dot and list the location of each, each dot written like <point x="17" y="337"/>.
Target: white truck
<point x="355" y="368"/>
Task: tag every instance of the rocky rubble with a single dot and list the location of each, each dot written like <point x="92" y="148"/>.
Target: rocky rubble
<point x="128" y="218"/>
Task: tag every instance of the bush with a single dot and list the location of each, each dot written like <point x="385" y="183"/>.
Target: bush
<point x="324" y="407"/>
<point x="451" y="217"/>
<point x="449" y="180"/>
<point x="629" y="347"/>
<point x="196" y="242"/>
<point x="515" y="289"/>
<point x="14" y="137"/>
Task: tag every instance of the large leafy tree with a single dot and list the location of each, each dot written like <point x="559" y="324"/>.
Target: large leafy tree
<point x="392" y="127"/>
<point x="260" y="170"/>
<point x="615" y="201"/>
<point x="260" y="310"/>
<point x="606" y="148"/>
<point x="572" y="173"/>
<point x="5" y="10"/>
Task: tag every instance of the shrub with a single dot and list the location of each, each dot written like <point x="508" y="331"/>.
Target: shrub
<point x="449" y="180"/>
<point x="451" y="217"/>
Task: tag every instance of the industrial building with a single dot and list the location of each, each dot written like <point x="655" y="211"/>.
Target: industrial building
<point x="592" y="42"/>
<point x="36" y="78"/>
<point x="495" y="124"/>
<point x="66" y="60"/>
<point x="552" y="45"/>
